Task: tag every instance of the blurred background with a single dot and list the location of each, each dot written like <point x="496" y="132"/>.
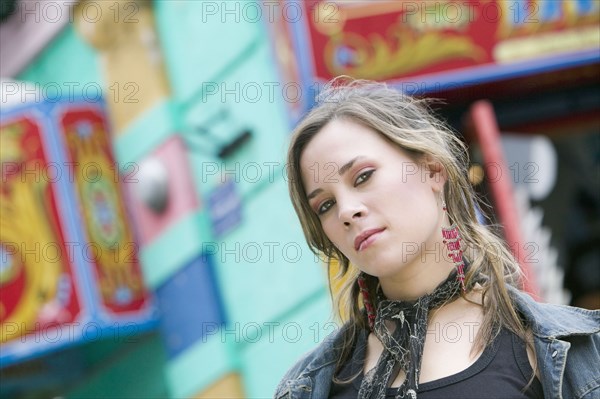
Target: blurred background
<point x="148" y="246"/>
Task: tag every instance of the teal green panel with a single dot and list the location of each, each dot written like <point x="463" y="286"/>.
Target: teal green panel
<point x="252" y="99"/>
<point x="136" y="371"/>
<point x="200" y="39"/>
<point x="67" y="60"/>
<point x="173" y="249"/>
<point x="102" y="350"/>
<point x="200" y="366"/>
<point x="146" y="132"/>
<point x="264" y="267"/>
<point x="264" y="362"/>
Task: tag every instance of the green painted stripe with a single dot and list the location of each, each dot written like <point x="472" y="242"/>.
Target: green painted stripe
<point x="301" y="305"/>
<point x="144" y="134"/>
<point x="200" y="366"/>
<point x="173" y="249"/>
<point x="228" y="69"/>
<point x="118" y="376"/>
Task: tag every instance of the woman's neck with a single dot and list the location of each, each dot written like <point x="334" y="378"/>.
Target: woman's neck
<point x="415" y="281"/>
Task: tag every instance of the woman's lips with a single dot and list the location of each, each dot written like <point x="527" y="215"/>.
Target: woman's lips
<point x="364" y="240"/>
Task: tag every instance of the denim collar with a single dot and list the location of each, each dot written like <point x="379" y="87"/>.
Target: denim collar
<point x="332" y="348"/>
<point x="554" y="321"/>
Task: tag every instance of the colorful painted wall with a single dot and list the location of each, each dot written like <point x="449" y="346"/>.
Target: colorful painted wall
<point x="269" y="288"/>
<point x="239" y="296"/>
<point x="97" y="361"/>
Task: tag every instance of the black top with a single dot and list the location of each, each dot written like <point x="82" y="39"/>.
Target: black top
<point x="502" y="371"/>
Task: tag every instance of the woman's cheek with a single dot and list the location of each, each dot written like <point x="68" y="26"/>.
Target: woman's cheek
<point x="331" y="233"/>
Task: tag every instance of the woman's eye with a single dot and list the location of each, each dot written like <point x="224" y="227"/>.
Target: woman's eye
<point x="363" y="177"/>
<point x="324" y="207"/>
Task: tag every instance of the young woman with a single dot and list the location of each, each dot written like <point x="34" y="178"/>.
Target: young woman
<point x="431" y="295"/>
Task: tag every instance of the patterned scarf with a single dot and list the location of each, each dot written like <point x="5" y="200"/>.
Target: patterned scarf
<point x="403" y="342"/>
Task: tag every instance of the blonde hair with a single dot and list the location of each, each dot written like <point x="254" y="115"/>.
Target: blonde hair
<point x="409" y="124"/>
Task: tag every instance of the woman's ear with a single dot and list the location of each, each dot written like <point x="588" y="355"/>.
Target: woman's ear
<point x="435" y="173"/>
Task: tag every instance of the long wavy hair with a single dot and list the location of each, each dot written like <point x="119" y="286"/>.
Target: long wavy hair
<point x="408" y="123"/>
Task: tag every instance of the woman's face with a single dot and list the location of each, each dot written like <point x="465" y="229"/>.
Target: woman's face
<point x="377" y="206"/>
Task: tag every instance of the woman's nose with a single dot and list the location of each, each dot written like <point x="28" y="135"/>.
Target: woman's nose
<point x="350" y="212"/>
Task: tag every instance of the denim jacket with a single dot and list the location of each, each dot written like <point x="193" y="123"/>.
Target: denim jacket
<point x="566" y="340"/>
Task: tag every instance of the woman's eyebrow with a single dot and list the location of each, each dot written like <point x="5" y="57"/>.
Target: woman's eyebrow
<point x="342" y="170"/>
<point x="314" y="194"/>
<point x="348" y="165"/>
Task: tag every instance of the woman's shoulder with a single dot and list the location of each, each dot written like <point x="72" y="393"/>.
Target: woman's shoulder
<point x="558" y="330"/>
<point x="551" y="320"/>
<point x="325" y="354"/>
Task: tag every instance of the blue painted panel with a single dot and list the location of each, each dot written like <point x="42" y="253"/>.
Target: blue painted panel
<point x="225" y="208"/>
<point x="190" y="306"/>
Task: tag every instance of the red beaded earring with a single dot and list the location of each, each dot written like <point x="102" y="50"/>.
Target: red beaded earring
<point x="453" y="240"/>
<point x="362" y="283"/>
